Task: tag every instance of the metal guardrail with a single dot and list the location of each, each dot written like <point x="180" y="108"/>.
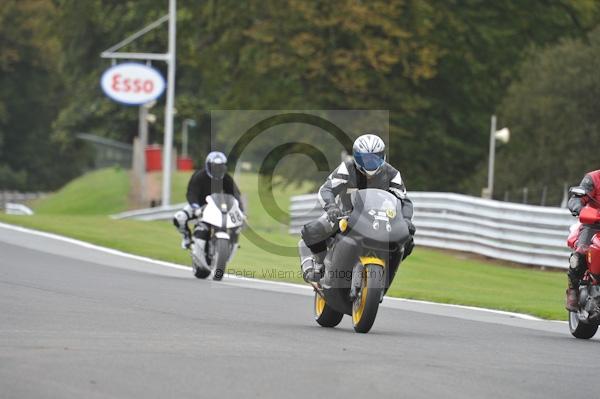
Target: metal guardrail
<point x="526" y="234"/>
<point x="159" y="212"/>
<point x="16" y="197"/>
<point x="17" y="209"/>
<point x="150" y="214"/>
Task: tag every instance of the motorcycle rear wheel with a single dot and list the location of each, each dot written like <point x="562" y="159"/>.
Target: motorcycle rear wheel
<point x="366" y="304"/>
<point x="580" y="329"/>
<point x="324" y="315"/>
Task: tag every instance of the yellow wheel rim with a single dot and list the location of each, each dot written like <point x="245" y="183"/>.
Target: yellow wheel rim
<point x="319" y="304"/>
<point x="359" y="307"/>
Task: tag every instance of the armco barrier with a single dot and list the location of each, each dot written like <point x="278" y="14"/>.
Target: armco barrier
<point x="17" y="209"/>
<point x="149" y="214"/>
<point x="15" y="197"/>
<point x="159" y="212"/>
<point x="527" y="234"/>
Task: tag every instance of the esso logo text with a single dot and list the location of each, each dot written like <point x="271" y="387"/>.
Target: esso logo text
<point x="132" y="83"/>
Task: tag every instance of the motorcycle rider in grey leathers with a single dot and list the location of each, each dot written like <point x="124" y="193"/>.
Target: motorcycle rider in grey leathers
<point x="367" y="169"/>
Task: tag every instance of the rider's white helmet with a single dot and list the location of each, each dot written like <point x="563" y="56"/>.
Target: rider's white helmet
<point x="368" y="152"/>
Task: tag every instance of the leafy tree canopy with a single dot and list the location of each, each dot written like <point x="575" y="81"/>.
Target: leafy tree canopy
<point x="440" y="68"/>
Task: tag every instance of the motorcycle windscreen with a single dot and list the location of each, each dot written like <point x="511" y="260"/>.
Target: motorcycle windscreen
<point x="224" y="201"/>
<point x="377" y="215"/>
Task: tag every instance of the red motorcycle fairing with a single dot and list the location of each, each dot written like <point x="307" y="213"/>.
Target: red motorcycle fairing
<point x="593" y="256"/>
<point x="589" y="215"/>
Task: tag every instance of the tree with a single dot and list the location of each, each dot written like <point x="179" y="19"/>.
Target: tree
<point x="552" y="109"/>
<point x="440" y="68"/>
<point x="28" y="88"/>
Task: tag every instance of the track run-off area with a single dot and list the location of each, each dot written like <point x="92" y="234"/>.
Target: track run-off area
<point x="83" y="321"/>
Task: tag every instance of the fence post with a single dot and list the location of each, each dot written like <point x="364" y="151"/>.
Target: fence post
<point x="544" y="193"/>
<point x="563" y="203"/>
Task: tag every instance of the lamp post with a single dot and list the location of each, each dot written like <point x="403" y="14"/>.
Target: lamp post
<point x="184" y="136"/>
<point x="502" y="135"/>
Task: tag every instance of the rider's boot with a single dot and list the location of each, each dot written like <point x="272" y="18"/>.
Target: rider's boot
<point x="312" y="269"/>
<point x="180" y="220"/>
<point x="572" y="303"/>
<point x="200" y="251"/>
<point x="311" y="264"/>
<point x="577" y="267"/>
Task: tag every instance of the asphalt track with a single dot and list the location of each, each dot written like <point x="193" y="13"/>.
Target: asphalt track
<point x="77" y="322"/>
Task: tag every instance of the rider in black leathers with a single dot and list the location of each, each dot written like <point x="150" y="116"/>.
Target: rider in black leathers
<point x="204" y="182"/>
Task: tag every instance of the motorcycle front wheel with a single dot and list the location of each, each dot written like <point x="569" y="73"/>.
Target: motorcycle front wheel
<point x="366" y="304"/>
<point x="324" y="315"/>
<point x="580" y="329"/>
<point x="220" y="258"/>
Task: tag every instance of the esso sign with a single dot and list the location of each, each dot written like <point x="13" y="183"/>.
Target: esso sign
<point x="132" y="83"/>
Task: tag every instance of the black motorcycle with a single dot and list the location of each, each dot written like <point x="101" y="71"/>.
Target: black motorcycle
<point x="362" y="259"/>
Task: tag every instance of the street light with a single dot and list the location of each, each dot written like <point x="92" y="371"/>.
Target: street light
<point x="184" y="134"/>
<point x="502" y="135"/>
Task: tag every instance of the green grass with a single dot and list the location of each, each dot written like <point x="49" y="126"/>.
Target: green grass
<point x="428" y="274"/>
<point x="97" y="193"/>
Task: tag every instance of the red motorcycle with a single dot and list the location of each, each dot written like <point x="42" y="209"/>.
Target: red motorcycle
<point x="584" y="323"/>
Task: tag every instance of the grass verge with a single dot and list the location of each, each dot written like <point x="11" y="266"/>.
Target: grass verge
<point x="101" y="192"/>
<point x="426" y="275"/>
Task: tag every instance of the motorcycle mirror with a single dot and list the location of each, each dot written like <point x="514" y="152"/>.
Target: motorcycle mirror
<point x="577" y="191"/>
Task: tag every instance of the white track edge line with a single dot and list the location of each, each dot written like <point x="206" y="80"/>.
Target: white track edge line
<point x="116" y="252"/>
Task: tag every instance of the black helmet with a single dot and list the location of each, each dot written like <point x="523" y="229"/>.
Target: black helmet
<point x="216" y="165"/>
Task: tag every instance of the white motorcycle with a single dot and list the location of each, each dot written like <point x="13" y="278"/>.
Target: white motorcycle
<point x="223" y="216"/>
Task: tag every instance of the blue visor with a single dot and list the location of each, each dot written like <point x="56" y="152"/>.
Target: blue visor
<point x="369" y="161"/>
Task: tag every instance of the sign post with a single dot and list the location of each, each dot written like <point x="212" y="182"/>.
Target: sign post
<point x="168" y="142"/>
<point x="120" y="84"/>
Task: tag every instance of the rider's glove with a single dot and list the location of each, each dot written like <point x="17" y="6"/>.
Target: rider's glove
<point x="576" y="209"/>
<point x="196" y="210"/>
<point x="333" y="213"/>
<point x="411" y="227"/>
<point x="408" y="247"/>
